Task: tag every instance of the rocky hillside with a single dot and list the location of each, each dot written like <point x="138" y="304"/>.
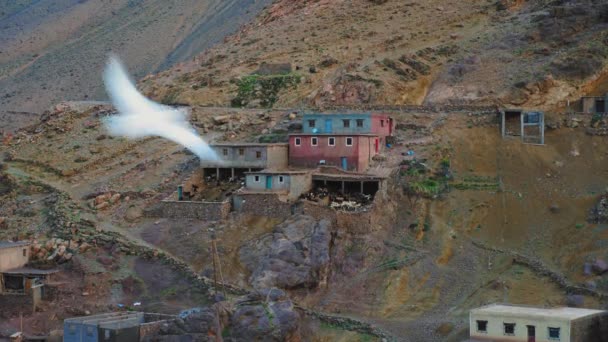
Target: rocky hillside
<point x="52" y="51"/>
<point x="348" y="53"/>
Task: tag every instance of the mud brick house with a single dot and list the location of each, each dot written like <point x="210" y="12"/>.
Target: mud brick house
<point x="16" y="279"/>
<point x="238" y="158"/>
<point x="288" y="184"/>
<point x="501" y="322"/>
<point x="593" y="104"/>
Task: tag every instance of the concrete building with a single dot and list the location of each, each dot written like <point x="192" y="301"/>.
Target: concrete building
<point x="501" y="322"/>
<point x="14" y="254"/>
<point x="349" y="152"/>
<point x="112" y="327"/>
<point x="528" y="125"/>
<point x="594" y="104"/>
<point x="287" y="183"/>
<point x="381" y="125"/>
<point x="238" y="158"/>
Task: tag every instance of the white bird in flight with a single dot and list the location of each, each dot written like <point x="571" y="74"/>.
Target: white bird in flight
<point x="140" y="117"/>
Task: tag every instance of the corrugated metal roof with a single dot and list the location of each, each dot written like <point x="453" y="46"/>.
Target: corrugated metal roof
<point x="10" y="244"/>
<point x="29" y="270"/>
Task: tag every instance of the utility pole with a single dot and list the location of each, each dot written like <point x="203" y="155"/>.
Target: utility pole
<point x="217" y="265"/>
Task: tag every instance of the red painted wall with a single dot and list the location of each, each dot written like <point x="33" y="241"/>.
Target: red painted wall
<point x="377" y="127"/>
<point x="306" y="155"/>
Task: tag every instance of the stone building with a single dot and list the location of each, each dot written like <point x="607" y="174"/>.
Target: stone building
<point x="238" y="158"/>
<point x="503" y="322"/>
<point x="593" y="104"/>
<point x="113" y="327"/>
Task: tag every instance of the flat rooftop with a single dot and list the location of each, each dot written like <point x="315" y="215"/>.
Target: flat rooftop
<point x="507" y="310"/>
<point x="10" y="244"/>
<point x="334" y="134"/>
<point x="30" y="271"/>
<point x="241" y="144"/>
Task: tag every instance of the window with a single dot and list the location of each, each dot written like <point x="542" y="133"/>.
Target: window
<point x="24" y="252"/>
<point x="72" y="329"/>
<point x="381" y="123"/>
<point x="107" y="334"/>
<point x="89" y="331"/>
<point x="349" y="141"/>
<point x="346" y="123"/>
<point x="258" y="154"/>
<point x="482" y="326"/>
<point x="298" y="141"/>
<point x="311" y="123"/>
<point x="553" y="333"/>
<point x="241" y="151"/>
<point x="314" y="141"/>
<point x="225" y="151"/>
<point x="331" y="141"/>
<point x="509" y="328"/>
<point x="359" y="122"/>
<point x="281" y="180"/>
<point x="256" y="179"/>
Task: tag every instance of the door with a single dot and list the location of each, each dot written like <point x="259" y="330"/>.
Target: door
<point x="377" y="144"/>
<point x="531" y="333"/>
<point x="600" y="106"/>
<point x="328" y="127"/>
<point x="268" y="182"/>
<point x="344" y="163"/>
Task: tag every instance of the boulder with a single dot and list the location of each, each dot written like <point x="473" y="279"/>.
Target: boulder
<point x="575" y="300"/>
<point x="599" y="266"/>
<point x="294" y="255"/>
<point x="221" y="119"/>
<point x="257" y="317"/>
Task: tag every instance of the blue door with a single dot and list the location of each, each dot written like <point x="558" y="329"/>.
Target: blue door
<point x="344" y="163"/>
<point x="327" y="125"/>
<point x="268" y="182"/>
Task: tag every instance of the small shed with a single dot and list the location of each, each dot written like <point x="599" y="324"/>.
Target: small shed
<point x="594" y="104"/>
<point x="526" y="124"/>
<point x="504" y="322"/>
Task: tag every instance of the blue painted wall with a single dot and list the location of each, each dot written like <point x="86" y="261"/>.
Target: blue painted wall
<point x="337" y="123"/>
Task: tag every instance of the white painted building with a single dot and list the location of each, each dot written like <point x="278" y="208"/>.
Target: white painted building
<point x="503" y="322"/>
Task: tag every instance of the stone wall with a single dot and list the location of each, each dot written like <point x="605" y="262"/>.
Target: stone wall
<point x="360" y="222"/>
<point x="149" y="331"/>
<point x="268" y="205"/>
<point x="209" y="211"/>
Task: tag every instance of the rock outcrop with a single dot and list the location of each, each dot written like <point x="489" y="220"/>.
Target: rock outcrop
<point x="294" y="255"/>
<point x="267" y="315"/>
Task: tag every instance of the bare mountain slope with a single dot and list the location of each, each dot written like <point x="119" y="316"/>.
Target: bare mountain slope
<point x="54" y="51"/>
<point x="362" y="52"/>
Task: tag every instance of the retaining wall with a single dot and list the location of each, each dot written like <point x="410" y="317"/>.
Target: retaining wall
<point x="208" y="211"/>
<point x="268" y="205"/>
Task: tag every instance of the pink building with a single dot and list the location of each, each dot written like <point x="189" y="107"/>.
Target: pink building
<point x="348" y="151"/>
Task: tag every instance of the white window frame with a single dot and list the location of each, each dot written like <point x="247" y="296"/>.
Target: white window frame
<point x="256" y="179"/>
<point x="314" y="141"/>
<point x="281" y="179"/>
<point x="352" y="141"/>
<point x="329" y="141"/>
<point x="298" y="141"/>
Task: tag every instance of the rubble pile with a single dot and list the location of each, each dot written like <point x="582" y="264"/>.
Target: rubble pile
<point x="105" y="201"/>
<point x="213" y="189"/>
<point x="57" y="250"/>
